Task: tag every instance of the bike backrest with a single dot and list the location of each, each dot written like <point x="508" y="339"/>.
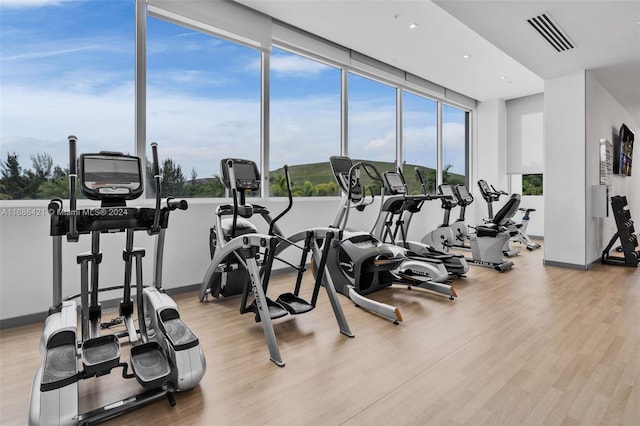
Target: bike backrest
<point x="508" y="210"/>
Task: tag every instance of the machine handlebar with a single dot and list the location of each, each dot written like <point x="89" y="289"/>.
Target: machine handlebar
<point x="173" y="204"/>
<point x="155" y="228"/>
<point x="73" y="176"/>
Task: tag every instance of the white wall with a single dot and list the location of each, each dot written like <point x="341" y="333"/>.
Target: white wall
<point x="26" y="247"/>
<point x="604" y="116"/>
<point x="564" y="174"/>
<point x="489" y="149"/>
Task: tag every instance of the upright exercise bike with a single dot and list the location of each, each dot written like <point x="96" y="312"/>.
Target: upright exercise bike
<point x="242" y="258"/>
<point x="165" y="355"/>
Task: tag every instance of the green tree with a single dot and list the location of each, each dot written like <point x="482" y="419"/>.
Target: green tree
<point x="12" y="178"/>
<point x="278" y="185"/>
<point x="305" y="190"/>
<point x="326" y="189"/>
<point x="3" y="193"/>
<point x="172" y="179"/>
<point x="532" y="184"/>
<point x="54" y="188"/>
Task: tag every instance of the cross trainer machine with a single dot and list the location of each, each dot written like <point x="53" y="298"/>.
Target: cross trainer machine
<point x="393" y="226"/>
<point x="165" y="356"/>
<point x="626" y="234"/>
<point x="242" y="258"/>
<point x="357" y="263"/>
<point x="490" y="194"/>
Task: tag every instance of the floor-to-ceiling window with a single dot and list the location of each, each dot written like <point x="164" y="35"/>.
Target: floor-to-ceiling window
<point x="419" y="142"/>
<point x="304" y="124"/>
<point x="372" y="124"/>
<point x="67" y="68"/>
<point x="455" y="130"/>
<point x="203" y="105"/>
<point x="372" y="120"/>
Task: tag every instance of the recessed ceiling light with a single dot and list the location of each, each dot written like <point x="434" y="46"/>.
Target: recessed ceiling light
<point x="503" y="77"/>
<point x="467" y="56"/>
<point x="413" y="26"/>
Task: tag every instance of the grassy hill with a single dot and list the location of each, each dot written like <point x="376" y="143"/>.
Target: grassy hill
<point x="320" y="173"/>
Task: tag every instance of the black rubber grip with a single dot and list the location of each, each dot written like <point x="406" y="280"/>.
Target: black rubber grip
<point x="177" y="204"/>
<point x="156" y="163"/>
<point x="72" y="155"/>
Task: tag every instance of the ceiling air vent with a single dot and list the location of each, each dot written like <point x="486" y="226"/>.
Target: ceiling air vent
<point x="551" y="32"/>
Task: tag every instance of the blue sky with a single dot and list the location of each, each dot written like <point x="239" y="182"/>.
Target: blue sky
<point x="67" y="67"/>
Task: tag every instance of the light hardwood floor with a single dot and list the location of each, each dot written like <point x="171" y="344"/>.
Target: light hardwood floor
<point x="536" y="345"/>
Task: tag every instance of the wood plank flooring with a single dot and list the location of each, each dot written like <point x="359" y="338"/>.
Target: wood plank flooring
<point x="536" y="345"/>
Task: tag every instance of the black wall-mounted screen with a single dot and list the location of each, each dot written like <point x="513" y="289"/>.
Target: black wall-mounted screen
<point x="623" y="152"/>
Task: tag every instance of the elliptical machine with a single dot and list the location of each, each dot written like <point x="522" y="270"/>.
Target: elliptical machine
<point x="519" y="230"/>
<point x="393" y="226"/>
<point x="242" y="258"/>
<point x="357" y="263"/>
<point x="165" y="355"/>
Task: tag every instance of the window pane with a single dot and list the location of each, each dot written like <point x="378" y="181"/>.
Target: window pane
<point x="454" y="145"/>
<point x="532" y="184"/>
<point x="420" y="139"/>
<point x="372" y="122"/>
<point x="67" y="68"/>
<point x="305" y="124"/>
<point x="203" y="105"/>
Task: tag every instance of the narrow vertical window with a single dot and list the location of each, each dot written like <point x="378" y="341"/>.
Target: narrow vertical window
<point x="454" y="145"/>
<point x="419" y="142"/>
<point x="203" y="105"/>
<point x="372" y="122"/>
<point x="305" y="124"/>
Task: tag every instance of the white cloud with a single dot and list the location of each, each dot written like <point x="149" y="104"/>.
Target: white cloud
<point x="49" y="53"/>
<point x="291" y="66"/>
<point x="16" y="4"/>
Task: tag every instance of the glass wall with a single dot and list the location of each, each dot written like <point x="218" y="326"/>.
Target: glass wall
<point x="419" y="142"/>
<point x="67" y="68"/>
<point x="203" y="105"/>
<point x="304" y="124"/>
<point x="455" y="131"/>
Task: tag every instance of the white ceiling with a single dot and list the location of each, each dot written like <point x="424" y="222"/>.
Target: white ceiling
<point x="508" y="58"/>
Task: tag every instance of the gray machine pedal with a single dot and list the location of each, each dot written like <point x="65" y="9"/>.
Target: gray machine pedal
<point x="60" y="368"/>
<point x="100" y="354"/>
<point x="150" y="364"/>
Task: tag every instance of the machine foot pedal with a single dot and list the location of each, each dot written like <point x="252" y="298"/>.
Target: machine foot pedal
<point x="275" y="310"/>
<point x="293" y="304"/>
<point x="100" y="354"/>
<point x="150" y="364"/>
<point x="179" y="335"/>
<point x="60" y="367"/>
